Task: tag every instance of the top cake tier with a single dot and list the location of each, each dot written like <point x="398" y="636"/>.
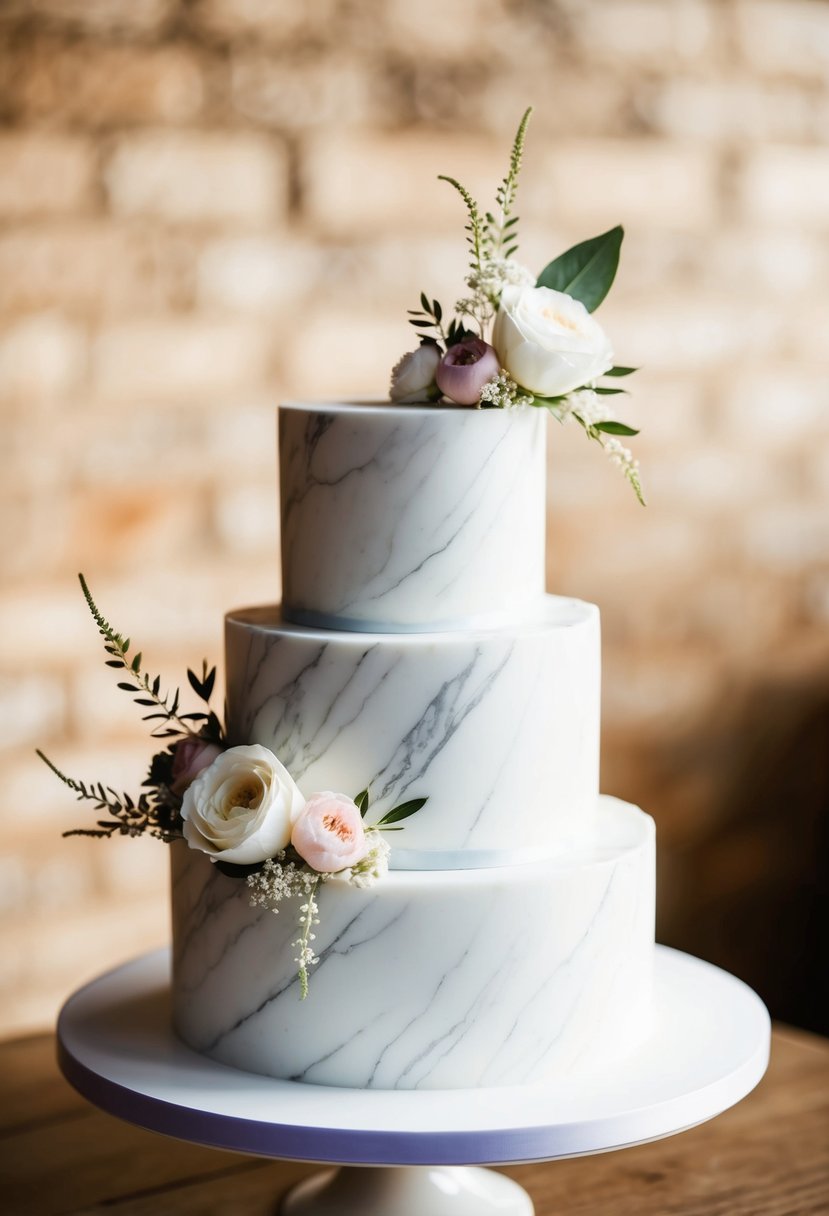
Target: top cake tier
<point x="401" y="517"/>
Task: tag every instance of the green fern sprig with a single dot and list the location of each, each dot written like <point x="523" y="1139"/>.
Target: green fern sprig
<point x="475" y="228"/>
<point x="146" y="692"/>
<point x="128" y="817"/>
<point x="502" y="230"/>
<point x="430" y="316"/>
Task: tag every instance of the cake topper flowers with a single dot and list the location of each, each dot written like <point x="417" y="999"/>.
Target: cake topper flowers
<point x="239" y="805"/>
<point x="518" y="339"/>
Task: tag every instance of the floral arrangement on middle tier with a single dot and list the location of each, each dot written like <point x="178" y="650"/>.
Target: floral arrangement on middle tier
<point x="519" y="339"/>
<point x="238" y="805"/>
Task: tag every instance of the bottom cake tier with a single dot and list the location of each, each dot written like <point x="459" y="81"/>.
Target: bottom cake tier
<point x="430" y="979"/>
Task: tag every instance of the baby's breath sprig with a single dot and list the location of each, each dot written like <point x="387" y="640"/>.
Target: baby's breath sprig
<point x="586" y="405"/>
<point x="309" y="916"/>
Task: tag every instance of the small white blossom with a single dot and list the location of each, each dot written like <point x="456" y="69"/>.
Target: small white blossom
<point x="503" y="393"/>
<point x="280" y="879"/>
<point x="496" y="273"/>
<point x="589" y="406"/>
<point x="372" y="867"/>
<point x="621" y="456"/>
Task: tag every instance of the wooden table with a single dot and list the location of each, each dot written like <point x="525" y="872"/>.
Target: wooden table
<point x="769" y="1156"/>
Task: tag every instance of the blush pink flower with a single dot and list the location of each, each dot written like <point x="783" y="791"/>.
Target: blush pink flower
<point x="191" y="757"/>
<point x="328" y="833"/>
<point x="465" y="369"/>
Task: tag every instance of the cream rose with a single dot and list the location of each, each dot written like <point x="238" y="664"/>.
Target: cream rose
<point x="413" y="376"/>
<point x="242" y="807"/>
<point x="548" y="342"/>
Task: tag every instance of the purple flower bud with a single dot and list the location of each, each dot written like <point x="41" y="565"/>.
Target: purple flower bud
<point x="465" y="369"/>
<point x="191" y="756"/>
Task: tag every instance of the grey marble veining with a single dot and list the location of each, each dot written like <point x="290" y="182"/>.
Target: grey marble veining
<point x="499" y="729"/>
<point x="402" y="517"/>
<point x="470" y="978"/>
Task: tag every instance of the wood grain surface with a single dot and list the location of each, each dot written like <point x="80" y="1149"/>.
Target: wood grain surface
<point x="769" y="1156"/>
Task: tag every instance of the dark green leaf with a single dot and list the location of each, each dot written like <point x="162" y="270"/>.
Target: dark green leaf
<point x="421" y="324"/>
<point x="424" y="300"/>
<point x="126" y="687"/>
<point x="621" y="371"/>
<point x="397" y="813"/>
<point x="233" y="871"/>
<point x="361" y="802"/>
<point x="609" y="392"/>
<point x="586" y="271"/>
<point x="615" y="428"/>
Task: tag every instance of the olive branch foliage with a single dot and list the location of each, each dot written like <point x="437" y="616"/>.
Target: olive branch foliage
<point x="156" y="811"/>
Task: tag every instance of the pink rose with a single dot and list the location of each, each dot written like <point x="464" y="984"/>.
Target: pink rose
<point x="191" y="757"/>
<point x="328" y="833"/>
<point x="465" y="369"/>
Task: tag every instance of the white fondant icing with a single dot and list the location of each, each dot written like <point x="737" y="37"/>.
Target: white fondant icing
<point x="406" y="517"/>
<point x="428" y="980"/>
<point x="499" y="729"/>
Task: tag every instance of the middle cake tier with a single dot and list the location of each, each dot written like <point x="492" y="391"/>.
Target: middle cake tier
<point x="499" y="729"/>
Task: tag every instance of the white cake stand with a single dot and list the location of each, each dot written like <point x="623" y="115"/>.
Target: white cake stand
<point x="708" y="1050"/>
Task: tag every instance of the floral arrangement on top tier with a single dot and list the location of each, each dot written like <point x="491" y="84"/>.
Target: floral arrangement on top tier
<point x="545" y="347"/>
<point x="239" y="805"/>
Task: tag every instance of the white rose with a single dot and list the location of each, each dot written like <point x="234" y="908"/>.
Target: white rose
<point x="242" y="807"/>
<point x="548" y="342"/>
<point x="413" y="377"/>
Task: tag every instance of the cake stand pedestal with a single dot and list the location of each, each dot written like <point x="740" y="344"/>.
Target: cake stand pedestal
<point x="708" y="1049"/>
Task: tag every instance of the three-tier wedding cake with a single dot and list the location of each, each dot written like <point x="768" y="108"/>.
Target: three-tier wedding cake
<point x="507" y="937"/>
<point x="512" y="941"/>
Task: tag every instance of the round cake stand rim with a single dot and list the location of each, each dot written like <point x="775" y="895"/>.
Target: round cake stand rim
<point x="679" y="977"/>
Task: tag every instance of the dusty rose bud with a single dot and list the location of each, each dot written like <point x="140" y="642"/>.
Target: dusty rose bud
<point x="328" y="833"/>
<point x="191" y="757"/>
<point x="464" y="370"/>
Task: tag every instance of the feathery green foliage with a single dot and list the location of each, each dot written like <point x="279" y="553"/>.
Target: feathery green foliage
<point x="502" y="231"/>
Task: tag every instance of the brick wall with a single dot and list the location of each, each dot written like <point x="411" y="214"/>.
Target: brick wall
<point x="207" y="206"/>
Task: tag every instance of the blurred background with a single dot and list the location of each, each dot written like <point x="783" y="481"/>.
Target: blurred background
<point x="207" y="205"/>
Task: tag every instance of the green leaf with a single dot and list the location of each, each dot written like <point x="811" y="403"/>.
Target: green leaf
<point x="401" y="812"/>
<point x="609" y="392"/>
<point x="231" y="870"/>
<point x="621" y="371"/>
<point x="424" y="300"/>
<point x="615" y="428"/>
<point x="361" y="802"/>
<point x="586" y="271"/>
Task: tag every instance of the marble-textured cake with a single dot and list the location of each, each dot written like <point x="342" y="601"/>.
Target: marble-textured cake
<point x="512" y="941"/>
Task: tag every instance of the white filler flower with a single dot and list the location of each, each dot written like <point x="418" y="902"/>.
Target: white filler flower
<point x="241" y="809"/>
<point x="548" y="342"/>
